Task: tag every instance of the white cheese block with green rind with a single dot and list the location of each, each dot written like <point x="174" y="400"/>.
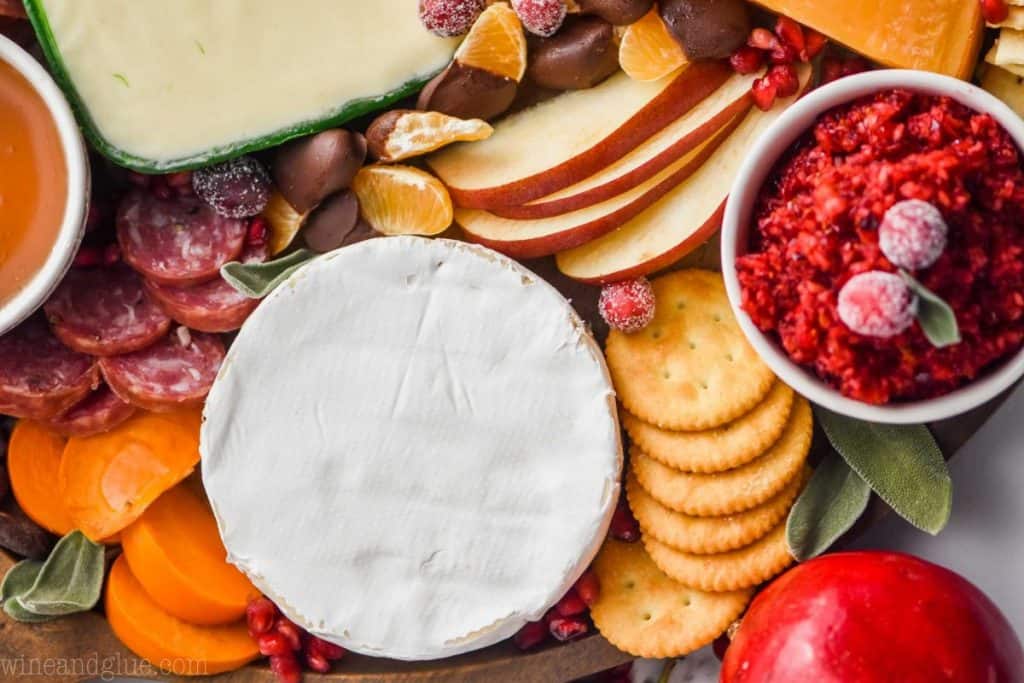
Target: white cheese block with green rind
<point x="164" y="84"/>
<point x="413" y="447"/>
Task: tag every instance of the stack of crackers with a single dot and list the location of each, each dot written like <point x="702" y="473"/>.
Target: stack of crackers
<point x="718" y="457"/>
<point x="1004" y="72"/>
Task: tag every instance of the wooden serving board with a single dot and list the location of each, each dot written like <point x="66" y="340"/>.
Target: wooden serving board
<point x="83" y="647"/>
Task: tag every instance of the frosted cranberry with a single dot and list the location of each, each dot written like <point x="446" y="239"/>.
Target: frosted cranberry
<point x="286" y="668"/>
<point x="541" y="17"/>
<point x="531" y="635"/>
<point x="764" y="92"/>
<point x="588" y="587"/>
<point x="238" y="188"/>
<point x="913" y="234"/>
<point x="624" y="526"/>
<point x="273" y="644"/>
<point x="330" y="651"/>
<point x="995" y="11"/>
<point x="571" y="605"/>
<point x="877" y="304"/>
<point x="449" y="18"/>
<point x="568" y="628"/>
<point x="746" y="60"/>
<point x="260" y="616"/>
<point x="627" y="306"/>
<point x="785" y="79"/>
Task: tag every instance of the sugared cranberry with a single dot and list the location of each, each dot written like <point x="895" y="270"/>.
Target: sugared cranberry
<point x="290" y="631"/>
<point x="286" y="668"/>
<point x="815" y="43"/>
<point x="763" y="39"/>
<point x="720" y="645"/>
<point x="764" y="92"/>
<point x="628" y="305"/>
<point x="624" y="526"/>
<point x="588" y="587"/>
<point x="568" y="628"/>
<point x="791" y="34"/>
<point x="785" y="79"/>
<point x="329" y="651"/>
<point x="317" y="662"/>
<point x="531" y="635"/>
<point x="449" y="18"/>
<point x="995" y="11"/>
<point x="541" y="17"/>
<point x="273" y="644"/>
<point x="238" y="188"/>
<point x="913" y="234"/>
<point x="571" y="604"/>
<point x="260" y="616"/>
<point x="877" y="304"/>
<point x="746" y="60"/>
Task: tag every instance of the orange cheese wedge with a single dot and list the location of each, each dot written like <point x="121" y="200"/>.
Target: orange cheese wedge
<point x="931" y="35"/>
<point x="175" y="552"/>
<point x="167" y="642"/>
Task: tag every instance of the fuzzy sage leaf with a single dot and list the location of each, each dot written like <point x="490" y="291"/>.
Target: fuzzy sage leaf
<point x="831" y="503"/>
<point x="18" y="580"/>
<point x="936" y="317"/>
<point x="69" y="581"/>
<point x="901" y="463"/>
<point x="256" y="280"/>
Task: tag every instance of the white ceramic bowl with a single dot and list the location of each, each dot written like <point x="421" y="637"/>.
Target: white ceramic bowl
<point x="738" y="219"/>
<point x="46" y="279"/>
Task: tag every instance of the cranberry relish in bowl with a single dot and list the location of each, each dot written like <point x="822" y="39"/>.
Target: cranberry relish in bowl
<point x="880" y="187"/>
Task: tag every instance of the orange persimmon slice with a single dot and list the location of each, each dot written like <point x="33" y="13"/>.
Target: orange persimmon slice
<point x="107" y="481"/>
<point x="174" y="550"/>
<point x="33" y="463"/>
<point x="167" y="642"/>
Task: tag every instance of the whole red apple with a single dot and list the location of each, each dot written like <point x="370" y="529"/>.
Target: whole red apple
<point x="873" y="617"/>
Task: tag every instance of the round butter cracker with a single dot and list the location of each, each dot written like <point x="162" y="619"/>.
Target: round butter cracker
<point x="736" y="490"/>
<point x="734" y="570"/>
<point x="645" y="613"/>
<point x="721" y="448"/>
<point x="691" y="368"/>
<point x="708" y="535"/>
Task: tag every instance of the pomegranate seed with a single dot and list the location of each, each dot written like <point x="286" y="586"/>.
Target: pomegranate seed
<point x="111" y="254"/>
<point x="763" y="91"/>
<point x="995" y="11"/>
<point x="624" y="526"/>
<point x="273" y="644"/>
<point x="816" y="42"/>
<point x="720" y="645"/>
<point x="317" y="662"/>
<point x="790" y="33"/>
<point x="568" y="628"/>
<point x="855" y="65"/>
<point x="785" y="79"/>
<point x="286" y="668"/>
<point x="783" y="54"/>
<point x="571" y="604"/>
<point x="588" y="587"/>
<point x="260" y="615"/>
<point x="290" y="631"/>
<point x="531" y="635"/>
<point x="746" y="60"/>
<point x="325" y="649"/>
<point x="88" y="257"/>
<point x="259" y="232"/>
<point x="763" y="39"/>
<point x="176" y="180"/>
<point x="831" y="69"/>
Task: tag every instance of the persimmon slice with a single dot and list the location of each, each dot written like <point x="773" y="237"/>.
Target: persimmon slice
<point x="107" y="481"/>
<point x="33" y="463"/>
<point x="402" y="200"/>
<point x="164" y="640"/>
<point x="175" y="551"/>
<point x="496" y="43"/>
<point x="648" y="52"/>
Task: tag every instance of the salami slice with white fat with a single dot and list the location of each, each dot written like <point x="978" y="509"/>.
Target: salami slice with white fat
<point x="213" y="306"/>
<point x="177" y="370"/>
<point x="105" y="312"/>
<point x="179" y="241"/>
<point x="99" y="412"/>
<point x="40" y="378"/>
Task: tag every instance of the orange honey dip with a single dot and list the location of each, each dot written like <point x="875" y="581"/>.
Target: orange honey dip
<point x="33" y="182"/>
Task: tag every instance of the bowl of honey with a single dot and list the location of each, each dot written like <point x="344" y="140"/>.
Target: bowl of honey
<point x="44" y="185"/>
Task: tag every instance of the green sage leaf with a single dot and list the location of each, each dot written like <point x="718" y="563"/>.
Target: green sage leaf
<point x="69" y="581"/>
<point x="256" y="280"/>
<point x="831" y="503"/>
<point x="18" y="580"/>
<point x="902" y="463"/>
<point x="936" y="317"/>
<point x="15" y="610"/>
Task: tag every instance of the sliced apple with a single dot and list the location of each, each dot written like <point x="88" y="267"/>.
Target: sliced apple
<point x="544" y="236"/>
<point x="559" y="142"/>
<point x="671" y="144"/>
<point x="679" y="223"/>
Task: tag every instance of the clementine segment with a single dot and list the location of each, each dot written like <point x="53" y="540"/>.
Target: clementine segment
<point x="648" y="51"/>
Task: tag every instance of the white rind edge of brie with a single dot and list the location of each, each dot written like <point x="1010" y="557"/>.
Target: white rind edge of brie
<point x="413" y="447"/>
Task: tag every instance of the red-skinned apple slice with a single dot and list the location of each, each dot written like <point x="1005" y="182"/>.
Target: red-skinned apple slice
<point x="679" y="223"/>
<point x="671" y="144"/>
<point x="527" y="239"/>
<point x="559" y="142"/>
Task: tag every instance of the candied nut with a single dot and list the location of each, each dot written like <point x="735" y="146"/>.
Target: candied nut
<point x="707" y="29"/>
<point x="467" y="92"/>
<point x="336" y="224"/>
<point x="579" y="56"/>
<point x="309" y="169"/>
<point x="405" y="133"/>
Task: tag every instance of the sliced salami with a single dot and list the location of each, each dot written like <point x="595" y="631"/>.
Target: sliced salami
<point x="99" y="412"/>
<point x="40" y="378"/>
<point x="213" y="306"/>
<point x="105" y="312"/>
<point x="177" y="370"/>
<point x="179" y="241"/>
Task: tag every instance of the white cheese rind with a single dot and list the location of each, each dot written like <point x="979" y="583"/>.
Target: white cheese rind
<point x="413" y="447"/>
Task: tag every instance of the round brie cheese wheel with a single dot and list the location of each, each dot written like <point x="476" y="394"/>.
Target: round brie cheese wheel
<point x="413" y="448"/>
